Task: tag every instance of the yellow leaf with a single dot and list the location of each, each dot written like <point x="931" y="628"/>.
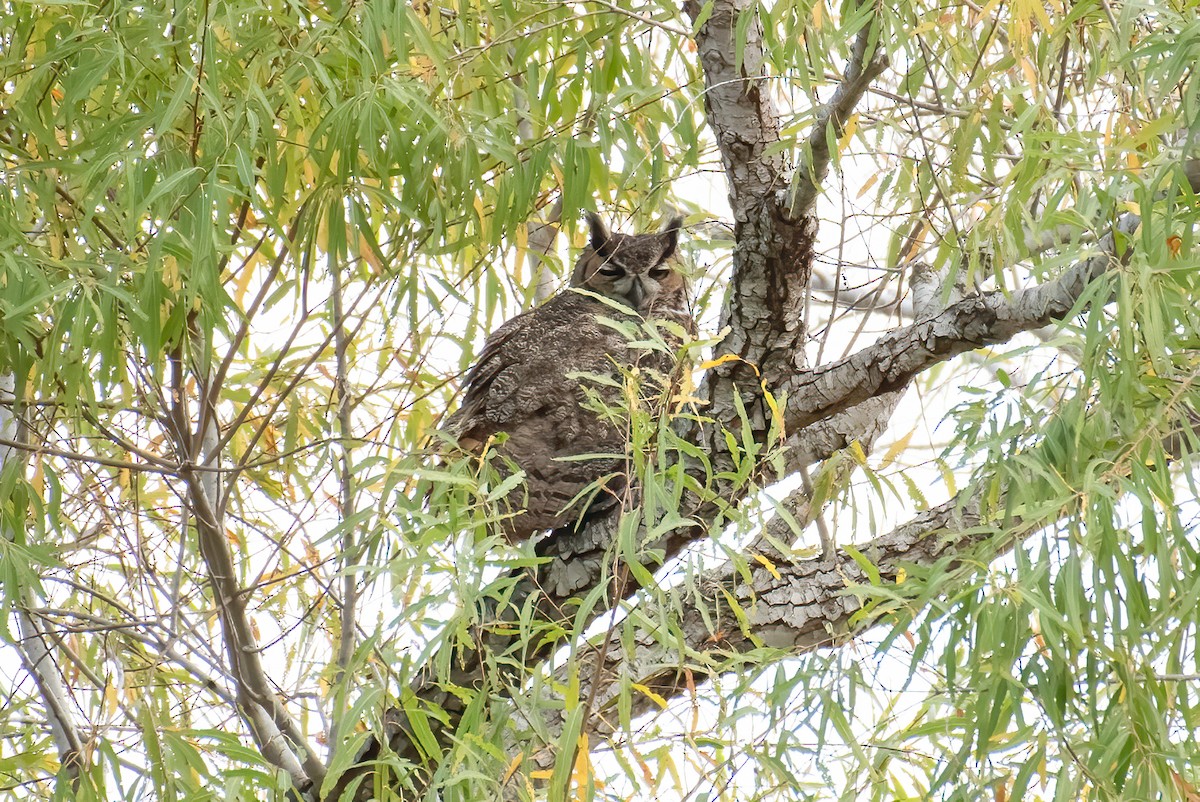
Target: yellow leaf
<point x="683" y="394"/>
<point x="541" y="774"/>
<point x="583" y="769"/>
<point x="523" y="246"/>
<point x="170" y="274"/>
<point x="770" y="566"/>
<point x="984" y="12"/>
<point x="687" y="400"/>
<point x="1039" y="11"/>
<point x="896" y="448"/>
<point x="311" y="555"/>
<point x="111" y="702"/>
<point x="722" y="359"/>
<point x="423" y="68"/>
<point x="1174" y="245"/>
<point x="776" y="414"/>
<point x="243" y="280"/>
<point x="322" y="238"/>
<point x="38" y="479"/>
<point x="651" y="695"/>
<point x="271" y="439"/>
<point x="916" y="240"/>
<point x="368" y="255"/>
<point x="558" y="179"/>
<point x="1024" y="14"/>
<point x="818" y="14"/>
<point x="901" y="575"/>
<point x="851" y="127"/>
<point x="870" y="182"/>
<point x="512" y="768"/>
<point x="222" y="34"/>
<point x="1030" y="73"/>
<point x="484" y="219"/>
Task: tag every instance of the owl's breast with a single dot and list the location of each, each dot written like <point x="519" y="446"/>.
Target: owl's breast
<point x="537" y="383"/>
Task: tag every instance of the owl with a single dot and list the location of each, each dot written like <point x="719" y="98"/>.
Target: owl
<point x="526" y="399"/>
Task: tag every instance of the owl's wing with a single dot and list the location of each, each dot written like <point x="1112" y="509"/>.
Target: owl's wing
<point x="497" y="354"/>
<point x="510" y="358"/>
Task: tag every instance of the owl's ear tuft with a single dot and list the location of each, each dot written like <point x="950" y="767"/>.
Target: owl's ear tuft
<point x="670" y="236"/>
<point x="600" y="235"/>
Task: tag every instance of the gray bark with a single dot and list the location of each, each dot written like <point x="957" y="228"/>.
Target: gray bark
<point x="799" y="606"/>
<point x="35" y="643"/>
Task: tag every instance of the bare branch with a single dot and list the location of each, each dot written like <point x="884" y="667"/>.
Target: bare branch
<point x="645" y="19"/>
<point x="278" y="736"/>
<point x="971" y="323"/>
<point x="350" y="546"/>
<point x="540" y="241"/>
<point x="864" y="67"/>
<point x="34" y="645"/>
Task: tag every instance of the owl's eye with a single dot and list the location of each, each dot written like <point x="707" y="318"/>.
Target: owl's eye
<point x="659" y="272"/>
<point x="611" y="270"/>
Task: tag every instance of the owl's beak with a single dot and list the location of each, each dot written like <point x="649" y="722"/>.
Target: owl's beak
<point x="636" y="295"/>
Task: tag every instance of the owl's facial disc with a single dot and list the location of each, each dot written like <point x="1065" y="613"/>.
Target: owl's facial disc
<point x="637" y="290"/>
<point x="630" y="269"/>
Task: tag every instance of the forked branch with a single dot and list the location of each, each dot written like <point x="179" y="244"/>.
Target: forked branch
<point x="974" y="322"/>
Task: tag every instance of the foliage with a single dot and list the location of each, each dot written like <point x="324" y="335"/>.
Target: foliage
<point x="251" y="246"/>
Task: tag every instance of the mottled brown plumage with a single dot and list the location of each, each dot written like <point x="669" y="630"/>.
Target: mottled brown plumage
<point x="520" y="400"/>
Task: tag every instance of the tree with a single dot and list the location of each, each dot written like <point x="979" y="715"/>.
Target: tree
<point x="248" y="248"/>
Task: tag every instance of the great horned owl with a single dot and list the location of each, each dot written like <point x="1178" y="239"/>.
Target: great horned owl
<point x="525" y="397"/>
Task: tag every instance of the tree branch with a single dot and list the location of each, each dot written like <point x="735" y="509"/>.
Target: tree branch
<point x="540" y="241"/>
<point x="348" y="636"/>
<point x="738" y="103"/>
<point x="971" y="323"/>
<point x="774" y="255"/>
<point x="34" y="644"/>
<point x="796" y="606"/>
<point x="277" y="735"/>
<point x="831" y="121"/>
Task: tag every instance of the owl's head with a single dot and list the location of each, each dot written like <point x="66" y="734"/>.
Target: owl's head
<point x="634" y="269"/>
